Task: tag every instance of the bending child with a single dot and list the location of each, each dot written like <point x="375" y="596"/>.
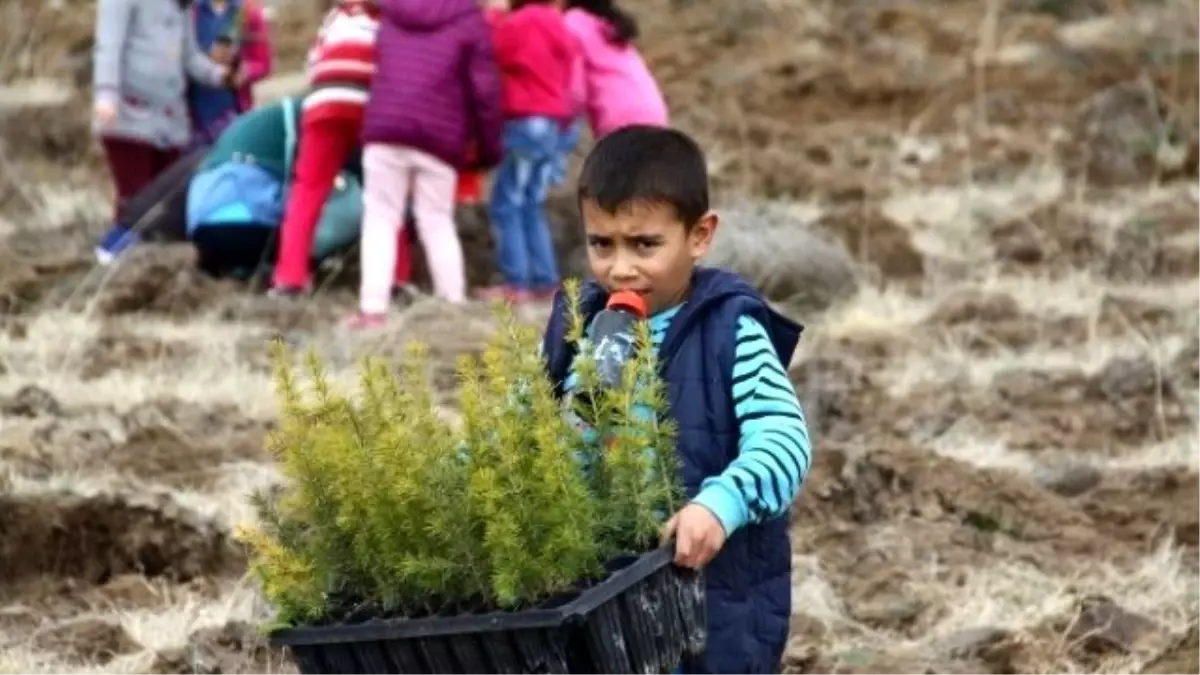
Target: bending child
<point x="436" y="91"/>
<point x="742" y="437"/>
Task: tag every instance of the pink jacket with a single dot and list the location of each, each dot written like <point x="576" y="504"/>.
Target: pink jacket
<point x="255" y="52"/>
<point x="611" y="84"/>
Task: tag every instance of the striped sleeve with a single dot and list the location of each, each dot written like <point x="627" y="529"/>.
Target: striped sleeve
<point x="774" y="451"/>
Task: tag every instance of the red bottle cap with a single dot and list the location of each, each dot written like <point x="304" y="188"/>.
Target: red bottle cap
<point x="629" y="301"/>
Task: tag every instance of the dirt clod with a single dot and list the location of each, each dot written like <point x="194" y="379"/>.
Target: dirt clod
<point x="31" y="401"/>
<point x="87" y="641"/>
<point x="95" y="538"/>
<point x="165" y="456"/>
<point x="1104" y="626"/>
<point x="950" y="186"/>
<point x="1070" y="480"/>
<point x="116" y="349"/>
<point x="233" y="648"/>
<point x="159" y="279"/>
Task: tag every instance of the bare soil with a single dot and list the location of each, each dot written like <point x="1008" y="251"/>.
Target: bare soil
<point x="1002" y="390"/>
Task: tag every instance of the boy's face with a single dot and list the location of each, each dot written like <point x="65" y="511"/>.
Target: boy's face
<point x="646" y="248"/>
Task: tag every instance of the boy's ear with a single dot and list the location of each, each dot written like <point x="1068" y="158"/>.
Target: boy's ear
<point x="700" y="237"/>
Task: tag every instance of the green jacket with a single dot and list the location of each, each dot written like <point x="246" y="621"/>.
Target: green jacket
<point x="260" y="135"/>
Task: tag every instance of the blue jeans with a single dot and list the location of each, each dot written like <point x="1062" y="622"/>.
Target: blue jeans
<point x="518" y="199"/>
<point x="566" y="145"/>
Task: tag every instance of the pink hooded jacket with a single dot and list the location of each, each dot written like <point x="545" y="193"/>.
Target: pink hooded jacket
<point x="611" y="84"/>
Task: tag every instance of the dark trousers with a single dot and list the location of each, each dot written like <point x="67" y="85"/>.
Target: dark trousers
<point x="133" y="165"/>
<point x="237" y="250"/>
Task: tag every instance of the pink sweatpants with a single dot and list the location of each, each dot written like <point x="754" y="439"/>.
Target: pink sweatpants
<point x="390" y="172"/>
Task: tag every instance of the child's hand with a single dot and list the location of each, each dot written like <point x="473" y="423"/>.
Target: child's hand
<point x="235" y="77"/>
<point x="699" y="536"/>
<point x="105" y="112"/>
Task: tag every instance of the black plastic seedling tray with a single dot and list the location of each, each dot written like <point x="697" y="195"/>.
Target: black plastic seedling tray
<point x="647" y="616"/>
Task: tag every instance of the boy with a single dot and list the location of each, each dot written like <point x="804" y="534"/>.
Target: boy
<point x="743" y="441"/>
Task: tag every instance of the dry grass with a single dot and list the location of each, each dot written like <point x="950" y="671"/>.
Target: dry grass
<point x="949" y="217"/>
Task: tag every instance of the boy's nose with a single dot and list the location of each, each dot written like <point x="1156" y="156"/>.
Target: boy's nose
<point x="624" y="272"/>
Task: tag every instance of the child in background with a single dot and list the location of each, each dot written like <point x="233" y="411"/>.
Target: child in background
<point x="742" y="437"/>
<point x="436" y="91"/>
<point x="145" y="51"/>
<point x="233" y="33"/>
<point x="341" y="65"/>
<point x="536" y="55"/>
<point x="612" y="86"/>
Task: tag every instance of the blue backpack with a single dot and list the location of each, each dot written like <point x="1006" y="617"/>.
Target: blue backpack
<point x="240" y="192"/>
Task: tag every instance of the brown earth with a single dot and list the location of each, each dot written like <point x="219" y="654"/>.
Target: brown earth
<point x="1002" y="393"/>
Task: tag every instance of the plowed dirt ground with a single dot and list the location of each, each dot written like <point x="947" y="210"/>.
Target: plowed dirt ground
<point x="984" y="211"/>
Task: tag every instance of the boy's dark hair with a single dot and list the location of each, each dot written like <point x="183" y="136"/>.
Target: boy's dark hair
<point x="624" y="27"/>
<point x="642" y="163"/>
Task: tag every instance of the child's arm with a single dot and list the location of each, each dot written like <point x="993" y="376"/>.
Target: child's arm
<point x="257" y="61"/>
<point x="197" y="64"/>
<point x="774" y="451"/>
<point x="506" y="40"/>
<point x="484" y="87"/>
<point x="112" y="22"/>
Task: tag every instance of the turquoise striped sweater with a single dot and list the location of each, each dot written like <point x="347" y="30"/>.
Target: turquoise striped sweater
<point x="774" y="451"/>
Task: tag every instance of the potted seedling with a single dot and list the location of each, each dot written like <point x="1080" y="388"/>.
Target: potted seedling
<point x="519" y="540"/>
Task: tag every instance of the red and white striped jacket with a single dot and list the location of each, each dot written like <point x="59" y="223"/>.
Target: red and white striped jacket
<point x="342" y="61"/>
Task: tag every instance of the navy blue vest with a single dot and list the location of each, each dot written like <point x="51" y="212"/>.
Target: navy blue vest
<point x="749" y="582"/>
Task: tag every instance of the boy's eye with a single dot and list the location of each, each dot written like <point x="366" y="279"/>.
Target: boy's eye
<point x="600" y="242"/>
<point x="646" y="245"/>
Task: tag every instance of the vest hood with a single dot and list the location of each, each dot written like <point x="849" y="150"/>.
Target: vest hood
<point x="710" y="288"/>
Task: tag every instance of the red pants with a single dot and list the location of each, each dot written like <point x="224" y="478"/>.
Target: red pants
<point x="325" y="143"/>
<point x="470" y="187"/>
<point x="134" y="165"/>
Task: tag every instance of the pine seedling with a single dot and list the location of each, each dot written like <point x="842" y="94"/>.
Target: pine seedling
<point x="388" y="508"/>
<point x="573" y="295"/>
<point x="288" y="580"/>
<point x="632" y="464"/>
<point x="524" y="483"/>
<point x="424" y="455"/>
<point x="299" y="444"/>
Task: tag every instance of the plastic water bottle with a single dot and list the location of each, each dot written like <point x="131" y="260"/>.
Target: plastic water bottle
<point x="614" y="336"/>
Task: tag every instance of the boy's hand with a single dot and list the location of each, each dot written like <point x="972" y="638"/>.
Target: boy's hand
<point x="698" y="534"/>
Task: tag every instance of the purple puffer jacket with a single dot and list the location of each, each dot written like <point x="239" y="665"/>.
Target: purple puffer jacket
<point x="436" y="87"/>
